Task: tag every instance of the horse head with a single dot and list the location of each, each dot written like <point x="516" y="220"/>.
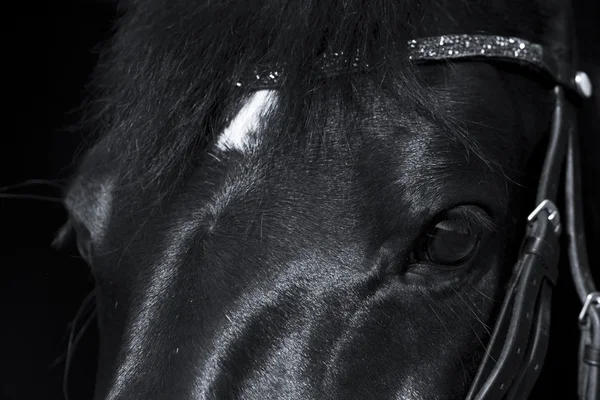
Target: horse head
<point x="281" y="204"/>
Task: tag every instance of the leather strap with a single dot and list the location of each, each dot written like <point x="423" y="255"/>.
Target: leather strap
<point x="518" y="345"/>
<point x="553" y="163"/>
<point x="589" y="319"/>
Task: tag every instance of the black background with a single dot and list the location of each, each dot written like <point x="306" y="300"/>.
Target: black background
<point x="48" y="54"/>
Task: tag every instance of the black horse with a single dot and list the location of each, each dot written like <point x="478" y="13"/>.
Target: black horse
<point x="341" y="235"/>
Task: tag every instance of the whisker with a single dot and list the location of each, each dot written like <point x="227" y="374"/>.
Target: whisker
<point x="87" y="303"/>
<point x="32" y="182"/>
<point x="476" y="334"/>
<point x="85" y="307"/>
<point x="481" y="293"/>
<point x="485" y="326"/>
<point x="30" y="197"/>
<point x="431" y="303"/>
<point x="483" y="345"/>
<point x="80" y="333"/>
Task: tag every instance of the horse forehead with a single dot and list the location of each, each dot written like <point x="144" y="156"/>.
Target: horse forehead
<point x="381" y="140"/>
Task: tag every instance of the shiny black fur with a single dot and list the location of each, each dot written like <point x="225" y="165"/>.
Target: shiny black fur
<point x="283" y="272"/>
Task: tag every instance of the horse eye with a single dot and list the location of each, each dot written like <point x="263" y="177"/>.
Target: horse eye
<point x="450" y="244"/>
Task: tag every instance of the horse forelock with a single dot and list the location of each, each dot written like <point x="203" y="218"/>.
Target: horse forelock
<point x="164" y="88"/>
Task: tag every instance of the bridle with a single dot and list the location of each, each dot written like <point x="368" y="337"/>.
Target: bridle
<point x="519" y="342"/>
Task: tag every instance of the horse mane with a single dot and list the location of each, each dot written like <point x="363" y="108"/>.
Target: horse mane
<point x="165" y="83"/>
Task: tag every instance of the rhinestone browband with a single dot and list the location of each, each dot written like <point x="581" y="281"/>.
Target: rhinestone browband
<point x="431" y="49"/>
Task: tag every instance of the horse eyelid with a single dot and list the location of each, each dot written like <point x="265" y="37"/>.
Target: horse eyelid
<point x="472" y="218"/>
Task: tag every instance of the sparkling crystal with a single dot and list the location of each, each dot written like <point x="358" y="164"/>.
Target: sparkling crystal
<point x="447" y="47"/>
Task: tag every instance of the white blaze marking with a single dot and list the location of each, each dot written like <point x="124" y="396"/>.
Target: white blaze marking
<point x="238" y="134"/>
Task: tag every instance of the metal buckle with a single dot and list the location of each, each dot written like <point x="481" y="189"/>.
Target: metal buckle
<point x="553" y="214"/>
<point x="591" y="298"/>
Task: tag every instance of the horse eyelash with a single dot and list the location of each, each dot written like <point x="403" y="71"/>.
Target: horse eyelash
<point x="468" y="218"/>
